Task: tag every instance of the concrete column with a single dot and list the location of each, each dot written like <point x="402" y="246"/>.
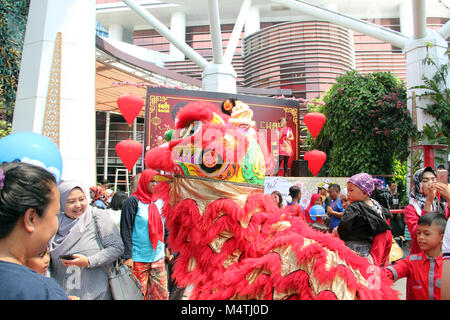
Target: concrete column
<point x="178" y="27"/>
<point x="252" y="24"/>
<point x="416" y="51"/>
<point x="135" y="139"/>
<point x="106" y="154"/>
<point x="115" y="31"/>
<point x="419" y="19"/>
<point x="331" y="6"/>
<point x="405" y="13"/>
<point x="219" y="78"/>
<point x="75" y="19"/>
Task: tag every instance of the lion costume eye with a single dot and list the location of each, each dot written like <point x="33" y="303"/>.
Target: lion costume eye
<point x="190" y="129"/>
<point x="211" y="161"/>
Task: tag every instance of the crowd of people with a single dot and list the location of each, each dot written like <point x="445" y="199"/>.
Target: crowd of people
<point x="55" y="244"/>
<point x="366" y="216"/>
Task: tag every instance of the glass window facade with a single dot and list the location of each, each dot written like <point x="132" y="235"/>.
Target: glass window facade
<point x="300" y="56"/>
<point x="118" y="131"/>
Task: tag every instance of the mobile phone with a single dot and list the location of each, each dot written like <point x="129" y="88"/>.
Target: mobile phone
<point x="67" y="257"/>
<point x="442" y="176"/>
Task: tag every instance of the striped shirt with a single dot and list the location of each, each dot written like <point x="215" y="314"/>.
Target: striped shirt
<point x="407" y="234"/>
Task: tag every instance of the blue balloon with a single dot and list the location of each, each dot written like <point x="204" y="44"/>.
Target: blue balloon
<point x="32" y="148"/>
<point x="316" y="210"/>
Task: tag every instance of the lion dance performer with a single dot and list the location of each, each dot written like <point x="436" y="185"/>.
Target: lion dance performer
<point x="232" y="240"/>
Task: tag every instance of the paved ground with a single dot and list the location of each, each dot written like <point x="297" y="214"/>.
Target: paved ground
<point x="400" y="285"/>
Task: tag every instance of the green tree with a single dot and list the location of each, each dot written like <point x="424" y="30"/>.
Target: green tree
<point x="367" y="127"/>
<point x="13" y="19"/>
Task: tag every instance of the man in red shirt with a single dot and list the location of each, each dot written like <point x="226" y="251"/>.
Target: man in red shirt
<point x="424" y="269"/>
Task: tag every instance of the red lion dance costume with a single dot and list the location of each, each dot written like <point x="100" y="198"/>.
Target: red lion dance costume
<point x="232" y="240"/>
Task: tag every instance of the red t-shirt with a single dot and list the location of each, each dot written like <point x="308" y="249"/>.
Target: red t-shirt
<point x="295" y="210"/>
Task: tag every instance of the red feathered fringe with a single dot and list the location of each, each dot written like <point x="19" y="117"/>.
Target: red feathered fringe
<point x="197" y="111"/>
<point x="256" y="253"/>
<point x="160" y="159"/>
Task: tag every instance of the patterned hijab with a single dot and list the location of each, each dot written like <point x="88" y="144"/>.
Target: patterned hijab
<point x="99" y="194"/>
<point x="417" y="198"/>
<point x="366" y="182"/>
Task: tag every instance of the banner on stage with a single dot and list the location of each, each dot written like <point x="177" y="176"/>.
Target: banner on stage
<point x="162" y="104"/>
<point x="308" y="185"/>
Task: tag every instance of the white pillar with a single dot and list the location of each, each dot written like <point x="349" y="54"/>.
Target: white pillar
<point x="75" y="19"/>
<point x="178" y="27"/>
<point x="115" y="31"/>
<point x="416" y="51"/>
<point x="419" y="19"/>
<point x="237" y="31"/>
<point x="219" y="78"/>
<point x="331" y="6"/>
<point x="168" y="34"/>
<point x="346" y="21"/>
<point x="135" y="139"/>
<point x="106" y="153"/>
<point x="405" y="13"/>
<point x="215" y="30"/>
<point x="253" y="23"/>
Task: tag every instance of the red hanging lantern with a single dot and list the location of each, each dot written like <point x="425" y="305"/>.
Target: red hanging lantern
<point x="129" y="152"/>
<point x="315" y="159"/>
<point x="130" y="106"/>
<point x="314" y="121"/>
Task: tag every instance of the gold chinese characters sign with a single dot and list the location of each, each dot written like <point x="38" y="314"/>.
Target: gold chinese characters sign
<point x="162" y="105"/>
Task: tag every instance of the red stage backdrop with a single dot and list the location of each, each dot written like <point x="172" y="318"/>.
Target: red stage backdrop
<point x="160" y="102"/>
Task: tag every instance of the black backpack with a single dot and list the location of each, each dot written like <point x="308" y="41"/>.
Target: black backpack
<point x="383" y="196"/>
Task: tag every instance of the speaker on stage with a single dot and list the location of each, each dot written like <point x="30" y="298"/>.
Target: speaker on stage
<point x="299" y="168"/>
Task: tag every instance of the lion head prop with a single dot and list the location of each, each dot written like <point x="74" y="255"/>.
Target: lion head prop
<point x="233" y="241"/>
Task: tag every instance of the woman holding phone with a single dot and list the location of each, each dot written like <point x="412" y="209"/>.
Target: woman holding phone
<point x="86" y="243"/>
<point x="424" y="197"/>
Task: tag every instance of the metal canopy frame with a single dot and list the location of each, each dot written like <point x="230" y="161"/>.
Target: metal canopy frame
<point x="397" y="39"/>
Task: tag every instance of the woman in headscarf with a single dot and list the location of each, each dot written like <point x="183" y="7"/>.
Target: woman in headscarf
<point x="423" y="199"/>
<point x="86" y="243"/>
<point x="316" y="198"/>
<point x="142" y="231"/>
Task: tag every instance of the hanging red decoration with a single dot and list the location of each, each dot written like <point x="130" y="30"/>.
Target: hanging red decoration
<point x="315" y="159"/>
<point x="130" y="106"/>
<point x="314" y="121"/>
<point x="129" y="152"/>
